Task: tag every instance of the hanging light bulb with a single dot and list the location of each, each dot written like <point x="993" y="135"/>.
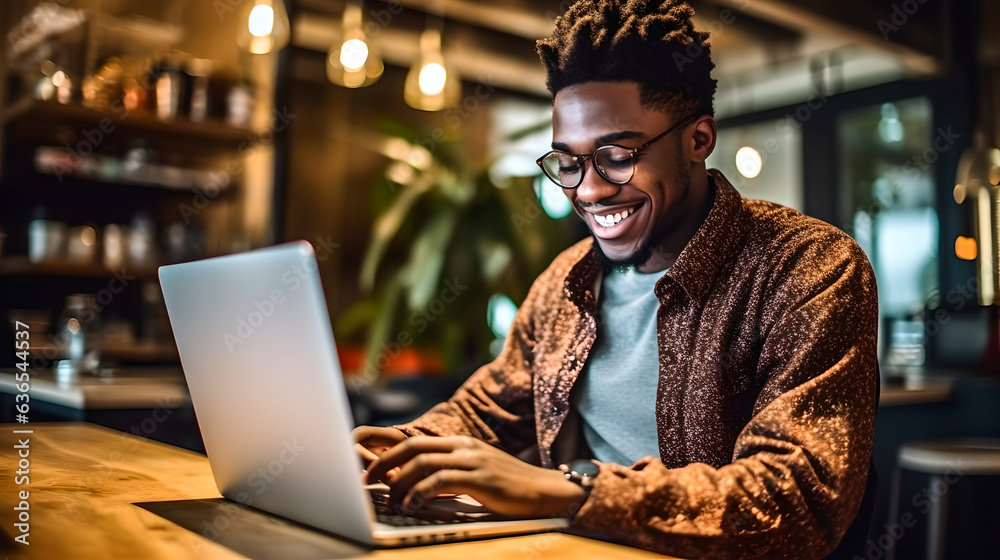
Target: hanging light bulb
<point x="431" y="84"/>
<point x="353" y="63"/>
<point x="267" y="28"/>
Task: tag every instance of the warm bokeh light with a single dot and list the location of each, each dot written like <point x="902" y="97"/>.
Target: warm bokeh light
<point x="353" y="54"/>
<point x="965" y="248"/>
<point x="266" y="28"/>
<point x="400" y="173"/>
<point x="88" y="236"/>
<point x="959" y="193"/>
<point x="748" y="162"/>
<point x="432" y="79"/>
<point x="355" y="62"/>
<point x="431" y="84"/>
<point x="261" y="20"/>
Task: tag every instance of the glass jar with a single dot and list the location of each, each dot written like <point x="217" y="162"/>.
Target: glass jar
<point x="78" y="337"/>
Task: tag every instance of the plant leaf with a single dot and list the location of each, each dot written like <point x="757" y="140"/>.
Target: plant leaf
<point x="388" y="225"/>
<point x="427" y="257"/>
<point x="378" y="335"/>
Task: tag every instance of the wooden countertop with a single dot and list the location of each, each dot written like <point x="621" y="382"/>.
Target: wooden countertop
<point x="921" y="391"/>
<point x="98" y="493"/>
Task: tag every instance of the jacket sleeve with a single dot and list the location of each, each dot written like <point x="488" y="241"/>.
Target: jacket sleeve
<point x="496" y="403"/>
<point x="801" y="463"/>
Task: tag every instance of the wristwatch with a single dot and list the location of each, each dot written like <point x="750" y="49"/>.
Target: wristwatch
<point x="581" y="472"/>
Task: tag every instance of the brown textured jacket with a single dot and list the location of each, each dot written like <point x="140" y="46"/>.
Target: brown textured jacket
<point x="766" y="398"/>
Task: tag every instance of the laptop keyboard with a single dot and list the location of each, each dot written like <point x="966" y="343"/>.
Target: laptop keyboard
<point x="407" y="521"/>
<point x="387" y="515"/>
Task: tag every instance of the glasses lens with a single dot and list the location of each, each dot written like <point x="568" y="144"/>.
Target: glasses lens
<point x="564" y="169"/>
<point x="614" y="164"/>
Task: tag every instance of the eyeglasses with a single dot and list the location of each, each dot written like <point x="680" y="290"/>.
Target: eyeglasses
<point x="615" y="164"/>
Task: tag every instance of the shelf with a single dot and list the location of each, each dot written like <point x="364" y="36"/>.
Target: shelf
<point x="39" y="119"/>
<point x="21" y="266"/>
<point x="53" y="161"/>
<point x="125" y="388"/>
<point x="139" y="351"/>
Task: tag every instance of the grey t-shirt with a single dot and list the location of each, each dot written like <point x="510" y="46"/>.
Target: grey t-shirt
<point x="617" y="389"/>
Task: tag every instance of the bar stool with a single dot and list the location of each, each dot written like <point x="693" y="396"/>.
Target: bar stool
<point x="946" y="461"/>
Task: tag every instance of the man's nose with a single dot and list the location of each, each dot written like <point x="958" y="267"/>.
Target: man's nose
<point x="595" y="188"/>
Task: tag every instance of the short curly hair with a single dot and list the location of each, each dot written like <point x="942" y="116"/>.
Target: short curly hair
<point x="652" y="42"/>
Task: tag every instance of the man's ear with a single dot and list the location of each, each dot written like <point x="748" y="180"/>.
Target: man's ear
<point x="702" y="142"/>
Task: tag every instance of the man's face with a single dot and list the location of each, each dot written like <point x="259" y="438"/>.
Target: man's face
<point x="654" y="202"/>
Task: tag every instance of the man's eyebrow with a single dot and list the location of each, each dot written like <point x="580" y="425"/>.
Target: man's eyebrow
<point x="623" y="135"/>
<point x="609" y="138"/>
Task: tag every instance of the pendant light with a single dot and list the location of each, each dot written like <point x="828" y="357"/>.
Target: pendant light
<point x="354" y="62"/>
<point x="978" y="185"/>
<point x="266" y="29"/>
<point x="431" y="84"/>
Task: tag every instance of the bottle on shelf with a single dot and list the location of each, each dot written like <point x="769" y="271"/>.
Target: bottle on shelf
<point x="78" y="338"/>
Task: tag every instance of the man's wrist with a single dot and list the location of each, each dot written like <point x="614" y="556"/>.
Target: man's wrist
<point x="563" y="498"/>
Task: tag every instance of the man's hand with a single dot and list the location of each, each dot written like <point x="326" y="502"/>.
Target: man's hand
<point x="431" y="466"/>
<point x="371" y="442"/>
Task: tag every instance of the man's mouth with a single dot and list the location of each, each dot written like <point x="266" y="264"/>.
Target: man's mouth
<point x="611" y="219"/>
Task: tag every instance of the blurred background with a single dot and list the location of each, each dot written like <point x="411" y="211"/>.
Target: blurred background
<point x="399" y="138"/>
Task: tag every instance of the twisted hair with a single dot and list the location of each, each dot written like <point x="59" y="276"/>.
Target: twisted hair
<point x="652" y="42"/>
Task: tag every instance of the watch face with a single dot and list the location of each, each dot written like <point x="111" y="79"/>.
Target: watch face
<point x="584" y="468"/>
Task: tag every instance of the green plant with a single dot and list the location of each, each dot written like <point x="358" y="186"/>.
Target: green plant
<point x="444" y="240"/>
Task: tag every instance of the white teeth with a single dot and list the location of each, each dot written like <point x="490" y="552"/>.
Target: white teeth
<point x="611" y="219"/>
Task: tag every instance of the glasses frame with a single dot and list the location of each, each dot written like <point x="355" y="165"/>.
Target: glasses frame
<point x="634" y="153"/>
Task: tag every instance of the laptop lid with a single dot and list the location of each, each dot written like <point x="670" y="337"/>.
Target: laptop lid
<point x="259" y="357"/>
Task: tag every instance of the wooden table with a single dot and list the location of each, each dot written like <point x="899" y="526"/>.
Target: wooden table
<point x="99" y="493"/>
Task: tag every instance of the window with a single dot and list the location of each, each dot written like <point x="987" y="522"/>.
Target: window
<point x="887" y="166"/>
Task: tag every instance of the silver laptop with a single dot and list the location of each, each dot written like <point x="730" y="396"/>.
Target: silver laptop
<point x="258" y="354"/>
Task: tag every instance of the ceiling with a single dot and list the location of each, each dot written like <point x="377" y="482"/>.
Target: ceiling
<point x="768" y="52"/>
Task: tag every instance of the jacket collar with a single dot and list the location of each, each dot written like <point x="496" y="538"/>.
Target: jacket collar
<point x="718" y="238"/>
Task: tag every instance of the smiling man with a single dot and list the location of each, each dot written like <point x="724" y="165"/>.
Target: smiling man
<point x="703" y="370"/>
